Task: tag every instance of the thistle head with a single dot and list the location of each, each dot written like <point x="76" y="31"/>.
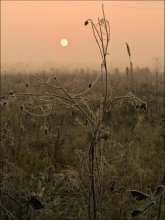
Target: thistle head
<point x="86" y="23"/>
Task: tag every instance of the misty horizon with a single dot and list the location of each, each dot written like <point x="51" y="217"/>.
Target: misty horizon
<point x="26" y="67"/>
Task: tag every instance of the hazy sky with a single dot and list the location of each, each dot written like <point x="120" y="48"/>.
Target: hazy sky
<point x="32" y="30"/>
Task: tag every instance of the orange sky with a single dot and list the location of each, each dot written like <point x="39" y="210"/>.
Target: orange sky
<point x="31" y="31"/>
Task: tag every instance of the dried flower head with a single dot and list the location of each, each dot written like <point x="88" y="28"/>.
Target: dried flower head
<point x="143" y="106"/>
<point x="137" y="106"/>
<point x="86" y="22"/>
<point x="159" y="191"/>
<point x="11" y="92"/>
<point x="46" y="130"/>
<point x="112" y="187"/>
<point x="21" y="107"/>
<point x="104" y="135"/>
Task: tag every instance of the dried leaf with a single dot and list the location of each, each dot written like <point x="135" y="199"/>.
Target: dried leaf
<point x="36" y="203"/>
<point x="139" y="196"/>
<point x="136" y="212"/>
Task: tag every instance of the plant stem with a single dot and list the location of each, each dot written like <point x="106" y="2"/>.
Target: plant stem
<point x="161" y="198"/>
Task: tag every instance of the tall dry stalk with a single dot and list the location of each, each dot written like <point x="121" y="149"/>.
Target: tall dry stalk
<point x="130" y="69"/>
<point x="101" y="32"/>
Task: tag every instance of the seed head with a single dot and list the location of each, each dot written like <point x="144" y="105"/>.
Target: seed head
<point x="144" y="106"/>
<point x="128" y="49"/>
<point x="46" y="130"/>
<point x="112" y="186"/>
<point x="11" y="92"/>
<point x="104" y="135"/>
<point x="86" y="22"/>
<point x="21" y="107"/>
<point x="159" y="191"/>
<point x="137" y="106"/>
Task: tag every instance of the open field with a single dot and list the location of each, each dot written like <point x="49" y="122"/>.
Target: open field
<point x="45" y="145"/>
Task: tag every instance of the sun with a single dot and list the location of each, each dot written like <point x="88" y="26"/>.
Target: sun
<point x="64" y="42"/>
